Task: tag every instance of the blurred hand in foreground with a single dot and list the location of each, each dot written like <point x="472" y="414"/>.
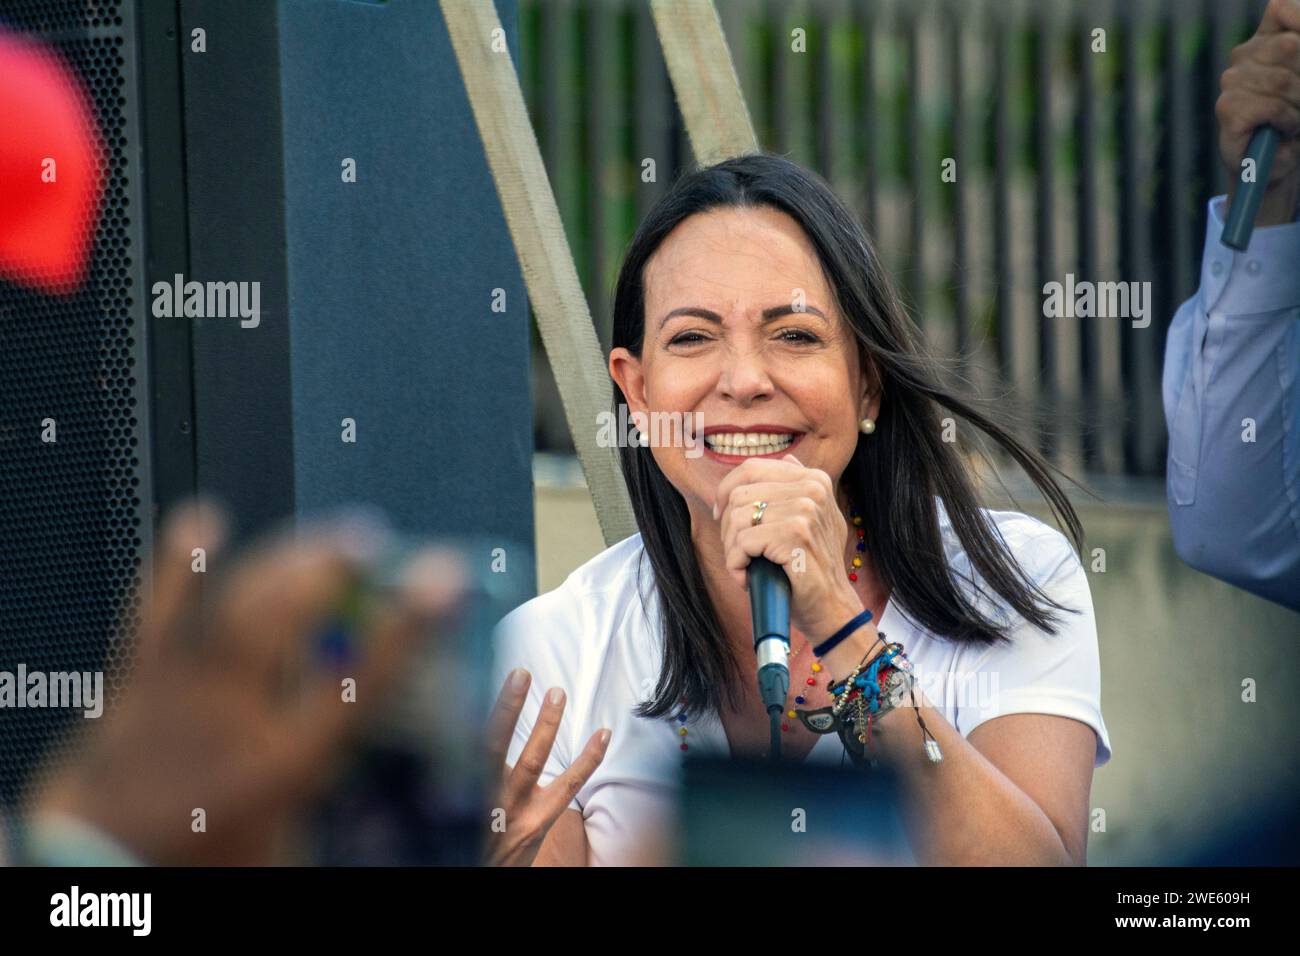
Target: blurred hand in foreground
<point x="239" y="725"/>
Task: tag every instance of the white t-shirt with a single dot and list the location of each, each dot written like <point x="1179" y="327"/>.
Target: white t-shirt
<point x="598" y="637"/>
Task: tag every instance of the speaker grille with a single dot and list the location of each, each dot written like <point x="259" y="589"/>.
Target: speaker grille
<point x="71" y="535"/>
<point x="43" y="16"/>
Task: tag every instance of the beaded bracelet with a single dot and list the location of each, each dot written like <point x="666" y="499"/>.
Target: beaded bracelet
<point x="872" y="695"/>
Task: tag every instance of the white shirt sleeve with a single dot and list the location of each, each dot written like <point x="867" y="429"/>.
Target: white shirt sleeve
<point x="533" y="638"/>
<point x="1038" y="672"/>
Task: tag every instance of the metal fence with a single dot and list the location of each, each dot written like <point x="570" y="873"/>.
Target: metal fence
<point x="1076" y="153"/>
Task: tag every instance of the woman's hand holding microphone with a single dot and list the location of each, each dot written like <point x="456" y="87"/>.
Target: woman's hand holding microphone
<point x="803" y="530"/>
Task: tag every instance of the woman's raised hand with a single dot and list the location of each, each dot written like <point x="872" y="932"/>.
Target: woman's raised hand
<point x="529" y="810"/>
<point x="802" y="530"/>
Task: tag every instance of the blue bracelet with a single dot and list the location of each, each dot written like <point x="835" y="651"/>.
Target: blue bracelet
<point x="828" y="645"/>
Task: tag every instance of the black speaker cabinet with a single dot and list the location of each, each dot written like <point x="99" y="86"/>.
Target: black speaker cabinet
<point x="319" y="158"/>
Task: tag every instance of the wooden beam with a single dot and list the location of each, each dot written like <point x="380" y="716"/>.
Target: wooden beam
<point x="554" y="291"/>
<point x="704" y="79"/>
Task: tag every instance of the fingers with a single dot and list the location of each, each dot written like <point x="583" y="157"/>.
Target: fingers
<point x="429" y="597"/>
<point x="425" y="604"/>
<point x="739" y="508"/>
<point x="532" y="760"/>
<point x="171" y="614"/>
<point x="1278" y="49"/>
<point x="1264" y="70"/>
<point x="818" y="477"/>
<point x="785" y="500"/>
<point x="1262" y="84"/>
<point x="505" y="715"/>
<point x="749" y="472"/>
<point x="1241" y="111"/>
<point x="808" y="492"/>
<point x="792" y="479"/>
<point x="777" y="543"/>
<point x="1278" y="82"/>
<point x="796" y="508"/>
<point x="562" y="790"/>
<point x="1280" y="15"/>
<point x="285" y="589"/>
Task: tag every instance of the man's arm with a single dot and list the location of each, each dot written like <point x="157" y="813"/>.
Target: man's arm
<point x="1233" y="352"/>
<point x="1231" y="403"/>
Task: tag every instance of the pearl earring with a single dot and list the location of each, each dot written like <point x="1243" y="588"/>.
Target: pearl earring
<point x="866" y="426"/>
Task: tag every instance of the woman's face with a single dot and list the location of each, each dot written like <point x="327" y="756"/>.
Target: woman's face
<point x="742" y="337"/>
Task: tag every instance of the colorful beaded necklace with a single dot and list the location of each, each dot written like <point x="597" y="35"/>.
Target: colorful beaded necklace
<point x="811" y="681"/>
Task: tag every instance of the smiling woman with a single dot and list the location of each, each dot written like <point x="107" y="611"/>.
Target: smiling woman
<point x="751" y="299"/>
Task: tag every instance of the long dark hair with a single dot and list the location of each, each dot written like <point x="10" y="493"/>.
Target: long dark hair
<point x="897" y="472"/>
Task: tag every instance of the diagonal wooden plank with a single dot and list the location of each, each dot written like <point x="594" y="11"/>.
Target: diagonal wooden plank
<point x="704" y="79"/>
<point x="534" y="220"/>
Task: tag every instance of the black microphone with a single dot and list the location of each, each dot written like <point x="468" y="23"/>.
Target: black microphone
<point x="1245" y="204"/>
<point x="769" y="604"/>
